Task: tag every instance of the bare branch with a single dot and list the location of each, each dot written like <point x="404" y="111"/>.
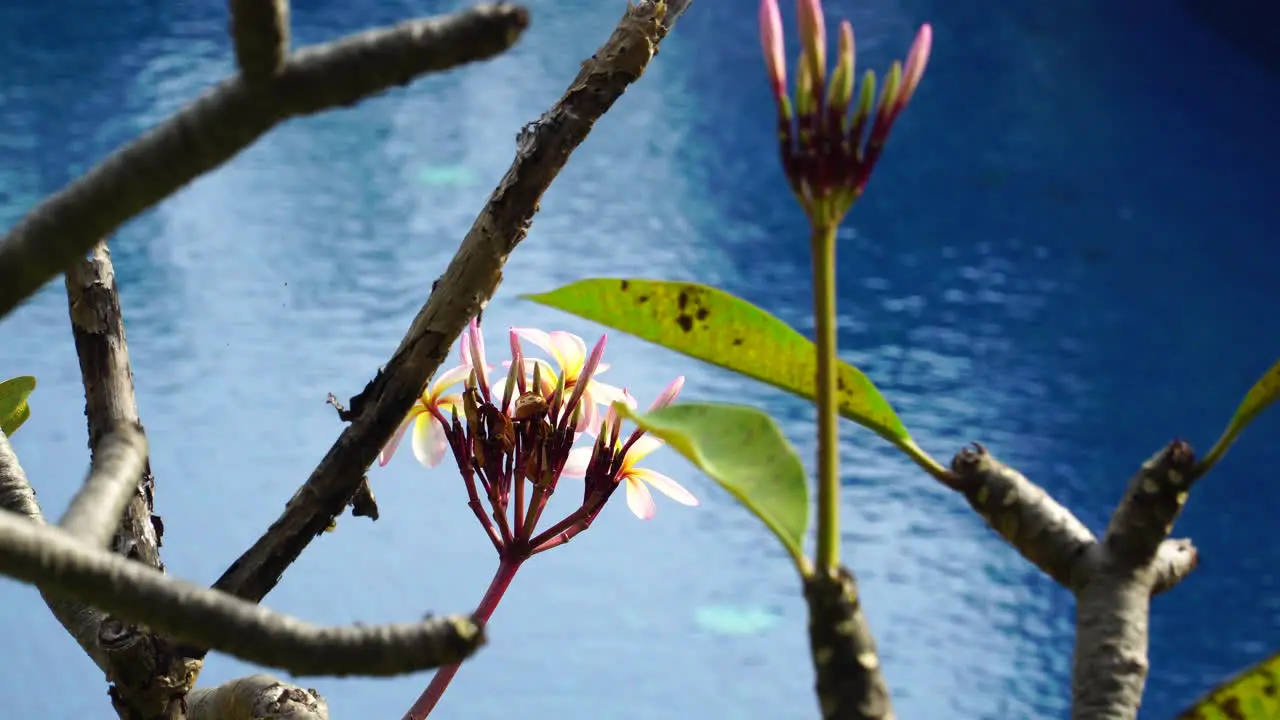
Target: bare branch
<point x="256" y="697"/>
<point x="55" y="561"/>
<point x="1037" y="526"/>
<point x="470" y="280"/>
<point x="17" y="496"/>
<point x="260" y="32"/>
<point x="150" y="675"/>
<point x="227" y="119"/>
<point x="1150" y="505"/>
<point x="97" y="326"/>
<point x="94" y="513"/>
<point x="850" y="685"/>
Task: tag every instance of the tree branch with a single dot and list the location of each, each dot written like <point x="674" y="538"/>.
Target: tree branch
<point x="1113" y="608"/>
<point x="256" y="697"/>
<point x="54" y="560"/>
<point x="17" y="496"/>
<point x="470" y="280"/>
<point x="1146" y="513"/>
<point x="850" y="685"/>
<point x="150" y="675"/>
<point x="260" y="32"/>
<point x="95" y="511"/>
<point x="1037" y="526"/>
<point x="227" y="119"/>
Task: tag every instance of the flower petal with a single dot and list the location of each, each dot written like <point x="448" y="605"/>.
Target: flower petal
<point x="541" y="339"/>
<point x="446" y="380"/>
<point x="429" y="441"/>
<point x="640" y="500"/>
<point x="571" y="351"/>
<point x="641" y="448"/>
<point x="576" y="465"/>
<point x="589" y="416"/>
<point x="607" y="394"/>
<point x="665" y="485"/>
<point x="389" y="449"/>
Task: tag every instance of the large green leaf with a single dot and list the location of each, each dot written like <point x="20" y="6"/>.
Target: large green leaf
<point x="13" y="402"/>
<point x="1251" y="695"/>
<point x="1259" y="398"/>
<point x="716" y="327"/>
<point x="743" y="450"/>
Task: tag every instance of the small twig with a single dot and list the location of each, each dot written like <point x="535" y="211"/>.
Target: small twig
<point x="850" y="685"/>
<point x="256" y="697"/>
<point x="260" y="32"/>
<point x="470" y="280"/>
<point x="57" y="562"/>
<point x="94" y="513"/>
<point x="228" y="118"/>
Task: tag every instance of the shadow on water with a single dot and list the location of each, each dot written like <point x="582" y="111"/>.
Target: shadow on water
<point x="1032" y="267"/>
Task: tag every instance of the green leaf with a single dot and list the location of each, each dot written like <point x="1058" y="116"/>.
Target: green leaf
<point x="1250" y="695"/>
<point x="744" y="451"/>
<point x="13" y="402"/>
<point x="717" y="327"/>
<point x="1259" y="398"/>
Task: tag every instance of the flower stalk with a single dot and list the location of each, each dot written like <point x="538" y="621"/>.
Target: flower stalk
<point x="828" y="153"/>
<point x="512" y="443"/>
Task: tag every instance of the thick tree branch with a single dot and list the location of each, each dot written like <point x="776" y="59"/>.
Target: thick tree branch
<point x="229" y="118"/>
<point x="17" y="496"/>
<point x="95" y="511"/>
<point x="1113" y="580"/>
<point x="57" y="562"/>
<point x="260" y="33"/>
<point x="256" y="697"/>
<point x="468" y="283"/>
<point x="1037" y="526"/>
<point x="850" y="685"/>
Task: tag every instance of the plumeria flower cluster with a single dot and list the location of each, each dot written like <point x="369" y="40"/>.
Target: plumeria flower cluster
<point x="824" y="153"/>
<point x="515" y="441"/>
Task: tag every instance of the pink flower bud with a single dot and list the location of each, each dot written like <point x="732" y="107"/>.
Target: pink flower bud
<point x="771" y="41"/>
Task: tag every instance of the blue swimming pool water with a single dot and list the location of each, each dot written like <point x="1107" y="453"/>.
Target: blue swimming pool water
<point x="1067" y="253"/>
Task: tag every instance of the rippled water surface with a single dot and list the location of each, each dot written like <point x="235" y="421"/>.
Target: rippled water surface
<point x="1068" y="253"/>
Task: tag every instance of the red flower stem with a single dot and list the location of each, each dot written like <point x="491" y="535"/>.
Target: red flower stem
<point x="586" y="513"/>
<point x="473" y="501"/>
<point x="507" y="567"/>
<point x="536" y="504"/>
<point x="478" y="509"/>
<point x="518" y="480"/>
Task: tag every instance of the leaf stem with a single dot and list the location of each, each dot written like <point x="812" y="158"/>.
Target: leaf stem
<point x="823" y="245"/>
<point x="507" y="567"/>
